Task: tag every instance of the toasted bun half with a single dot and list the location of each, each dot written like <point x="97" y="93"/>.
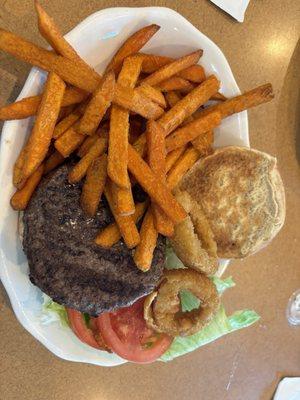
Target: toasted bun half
<point x="241" y="194"/>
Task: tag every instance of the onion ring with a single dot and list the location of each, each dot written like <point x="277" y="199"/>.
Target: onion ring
<point x="162" y="309"/>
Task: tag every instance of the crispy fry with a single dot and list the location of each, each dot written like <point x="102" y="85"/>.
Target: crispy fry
<point x="94" y="185"/>
<point x="68" y="121"/>
<point x="192" y="130"/>
<point x="40" y="138"/>
<point x="118" y="136"/>
<point x="98" y="105"/>
<point x="18" y="179"/>
<point x="171" y="119"/>
<point x="29" y="105"/>
<point x="194" y="73"/>
<point x="53" y="161"/>
<point x="131" y="46"/>
<point x="70" y="71"/>
<point x="80" y="169"/>
<point x="50" y="31"/>
<point x="125" y="223"/>
<point x="154" y="186"/>
<point x="189" y="104"/>
<point x="111" y="234"/>
<point x="218" y="97"/>
<point x="153" y="93"/>
<point x="152" y="62"/>
<point x="69" y="141"/>
<point x="203" y="143"/>
<point x="87" y="144"/>
<point x="173" y="98"/>
<point x="21" y="198"/>
<point x="75" y="74"/>
<point x="185" y="162"/>
<point x="65" y="112"/>
<point x="143" y="254"/>
<point x="157" y="161"/>
<point x="137" y="102"/>
<point x="123" y="200"/>
<point x="175" y="83"/>
<point x="261" y="94"/>
<point x="173" y="156"/>
<point x="173" y="68"/>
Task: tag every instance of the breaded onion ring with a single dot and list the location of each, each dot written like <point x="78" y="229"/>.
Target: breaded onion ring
<point x="162" y="309"/>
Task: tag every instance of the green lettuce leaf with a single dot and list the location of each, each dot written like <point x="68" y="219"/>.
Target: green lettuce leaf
<point x="188" y="300"/>
<point x="52" y="312"/>
<point x="219" y="326"/>
<point x="172" y="261"/>
<point x="223" y="284"/>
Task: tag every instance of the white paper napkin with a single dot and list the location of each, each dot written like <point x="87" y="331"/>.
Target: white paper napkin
<point x="288" y="389"/>
<point x="236" y="8"/>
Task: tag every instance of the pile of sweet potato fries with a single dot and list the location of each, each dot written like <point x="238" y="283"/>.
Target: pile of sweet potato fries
<point x="141" y="122"/>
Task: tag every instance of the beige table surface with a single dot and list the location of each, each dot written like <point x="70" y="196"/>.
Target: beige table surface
<point x="247" y="364"/>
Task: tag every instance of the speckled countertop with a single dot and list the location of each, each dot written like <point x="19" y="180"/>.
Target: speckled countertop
<point x="247" y="364"/>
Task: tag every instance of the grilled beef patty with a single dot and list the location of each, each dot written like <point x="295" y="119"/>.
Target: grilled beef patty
<point x="64" y="261"/>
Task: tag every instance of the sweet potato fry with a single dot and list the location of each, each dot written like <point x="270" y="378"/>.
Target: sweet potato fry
<point x="40" y="138"/>
<point x="125" y="223"/>
<point x="53" y="161"/>
<point x="171" y="119"/>
<point x="69" y="141"/>
<point x="20" y="199"/>
<point x="80" y="169"/>
<point x="75" y="74"/>
<point x="123" y="200"/>
<point x="68" y="121"/>
<point x="175" y="83"/>
<point x="153" y="93"/>
<point x="50" y="31"/>
<point x="111" y="234"/>
<point x="119" y="135"/>
<point x="173" y="68"/>
<point x="69" y="70"/>
<point x="173" y="98"/>
<point x="218" y="97"/>
<point x="98" y="105"/>
<point x="137" y="102"/>
<point x="143" y="254"/>
<point x="87" y="144"/>
<point x="94" y="185"/>
<point x="18" y="179"/>
<point x="152" y="62"/>
<point x="157" y="161"/>
<point x="131" y="46"/>
<point x="65" y="112"/>
<point x="173" y="156"/>
<point x="194" y="73"/>
<point x="189" y="104"/>
<point x="261" y="94"/>
<point x="154" y="186"/>
<point x="203" y="143"/>
<point x="29" y="105"/>
<point x="192" y="130"/>
<point x="185" y="162"/>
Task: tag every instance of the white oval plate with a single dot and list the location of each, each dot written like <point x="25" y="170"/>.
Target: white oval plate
<point x="96" y="39"/>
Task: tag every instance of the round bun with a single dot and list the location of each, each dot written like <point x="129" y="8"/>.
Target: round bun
<point x="242" y="197"/>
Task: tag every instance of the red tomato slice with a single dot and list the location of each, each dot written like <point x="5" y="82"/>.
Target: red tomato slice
<point x="80" y="328"/>
<point x="126" y="333"/>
